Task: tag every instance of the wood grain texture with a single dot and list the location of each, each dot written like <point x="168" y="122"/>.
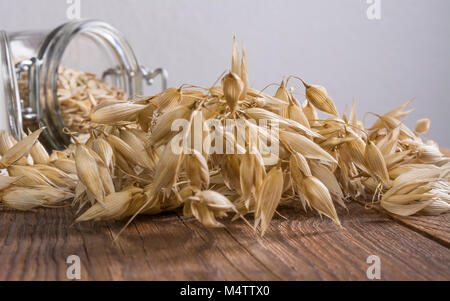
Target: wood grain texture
<point x="316" y="249"/>
<point x="35" y="245"/>
<point x="436" y="227"/>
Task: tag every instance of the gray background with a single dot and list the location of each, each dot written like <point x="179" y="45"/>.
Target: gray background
<point x="380" y="63"/>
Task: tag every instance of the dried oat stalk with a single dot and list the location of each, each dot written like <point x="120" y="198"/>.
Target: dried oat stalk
<point x="135" y="161"/>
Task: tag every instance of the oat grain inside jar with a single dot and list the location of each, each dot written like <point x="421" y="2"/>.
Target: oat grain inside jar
<point x="61" y="75"/>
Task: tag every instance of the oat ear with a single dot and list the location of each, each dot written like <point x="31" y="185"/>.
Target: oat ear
<point x="282" y="93"/>
<point x="116" y="113"/>
<point x="197" y="169"/>
<point x="376" y="163"/>
<point x="319" y="197"/>
<point x="268" y="198"/>
<point x="20" y="149"/>
<point x="318" y="97"/>
<point x="88" y="172"/>
<point x="39" y="153"/>
<point x="233" y="87"/>
<point x="244" y="74"/>
<point x="235" y="68"/>
<point x="115" y="205"/>
<point x="353" y="118"/>
<point x="6" y="142"/>
<point x="6" y="181"/>
<point x="423" y="125"/>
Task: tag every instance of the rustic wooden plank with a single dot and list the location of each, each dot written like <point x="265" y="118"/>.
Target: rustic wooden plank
<point x="176" y="252"/>
<point x="236" y="254"/>
<point x="35" y="245"/>
<point x="436" y="228"/>
<point x="318" y="250"/>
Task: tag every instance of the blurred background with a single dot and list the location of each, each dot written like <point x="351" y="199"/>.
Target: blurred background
<point x="380" y="52"/>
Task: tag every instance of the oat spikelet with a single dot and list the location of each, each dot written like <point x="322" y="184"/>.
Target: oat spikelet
<point x="423" y="125"/>
<point x="353" y="118"/>
<point x="167" y="170"/>
<point x="376" y="164"/>
<point x="310" y="112"/>
<point x="318" y="97"/>
<point x="319" y="197"/>
<point x="295" y="112"/>
<point x="298" y="162"/>
<point x="244" y="74"/>
<point x="405" y="210"/>
<point x="29" y="176"/>
<point x="88" y="172"/>
<point x="138" y="147"/>
<point x="6" y="142"/>
<point x="104" y="173"/>
<point x="286" y="124"/>
<point x="6" y="181"/>
<point x="136" y="155"/>
<point x="23" y="198"/>
<point x="20" y="149"/>
<point x="105" y="151"/>
<point x="396" y="113"/>
<point x="65" y="165"/>
<point x="235" y="58"/>
<point x="116" y="113"/>
<point x="115" y="205"/>
<point x="215" y="200"/>
<point x="197" y="169"/>
<point x="168" y="99"/>
<point x="206" y="206"/>
<point x="268" y="198"/>
<point x="247" y="177"/>
<point x="304" y="146"/>
<point x="56" y="176"/>
<point x="436" y="207"/>
<point x="39" y="154"/>
<point x="233" y="87"/>
<point x="327" y="177"/>
<point x="162" y="131"/>
<point x="282" y="93"/>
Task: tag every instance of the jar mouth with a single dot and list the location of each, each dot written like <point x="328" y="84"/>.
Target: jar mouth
<point x="50" y="57"/>
<point x="9" y="91"/>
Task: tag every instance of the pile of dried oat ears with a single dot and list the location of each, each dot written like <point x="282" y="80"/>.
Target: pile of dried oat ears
<point x="128" y="167"/>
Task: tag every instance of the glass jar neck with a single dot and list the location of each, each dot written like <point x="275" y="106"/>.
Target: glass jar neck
<point x="10" y="114"/>
<point x="48" y="49"/>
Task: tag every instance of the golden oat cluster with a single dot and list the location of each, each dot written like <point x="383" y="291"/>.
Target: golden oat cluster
<point x="130" y="166"/>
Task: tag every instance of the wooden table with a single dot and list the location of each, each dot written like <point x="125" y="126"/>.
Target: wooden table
<point x="35" y="245"/>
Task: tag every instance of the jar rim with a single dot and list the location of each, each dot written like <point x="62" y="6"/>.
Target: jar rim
<point x="50" y="55"/>
<point x="9" y="90"/>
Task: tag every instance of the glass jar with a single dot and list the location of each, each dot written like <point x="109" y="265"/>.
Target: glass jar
<point x="91" y="46"/>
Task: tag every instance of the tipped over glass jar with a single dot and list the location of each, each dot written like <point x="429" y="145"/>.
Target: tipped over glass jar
<point x="38" y="89"/>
